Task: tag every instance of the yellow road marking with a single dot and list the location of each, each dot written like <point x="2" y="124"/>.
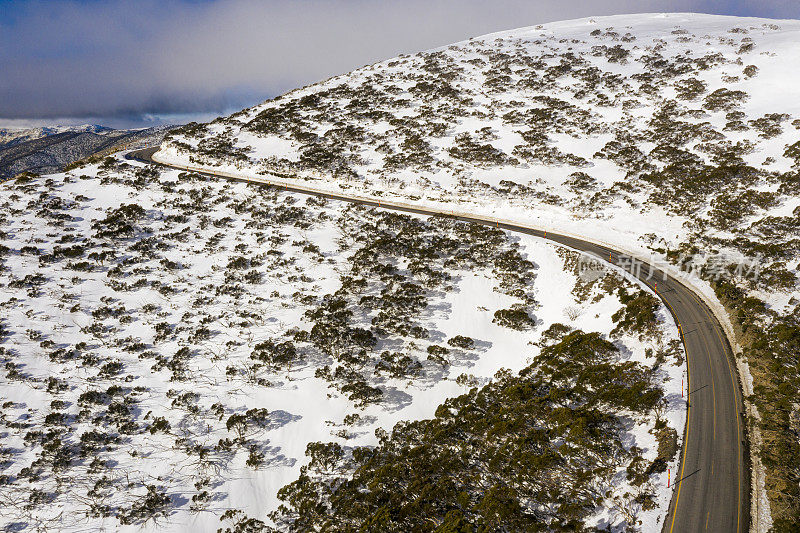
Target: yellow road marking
<point x="686" y="440"/>
<point x="738" y="427"/>
<point x="713" y="393"/>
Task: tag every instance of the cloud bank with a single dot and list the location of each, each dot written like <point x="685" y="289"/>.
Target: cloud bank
<point x="119" y="58"/>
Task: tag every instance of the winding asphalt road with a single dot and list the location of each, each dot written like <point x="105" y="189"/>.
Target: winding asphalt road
<point x="712" y="483"/>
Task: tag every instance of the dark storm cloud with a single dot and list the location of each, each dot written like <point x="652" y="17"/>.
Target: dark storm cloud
<point x="120" y="58"/>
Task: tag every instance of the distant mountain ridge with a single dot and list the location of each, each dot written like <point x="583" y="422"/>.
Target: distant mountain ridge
<point x="47" y="150"/>
<point x="12" y="136"/>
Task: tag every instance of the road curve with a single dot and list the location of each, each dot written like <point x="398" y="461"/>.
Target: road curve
<point x="712" y="490"/>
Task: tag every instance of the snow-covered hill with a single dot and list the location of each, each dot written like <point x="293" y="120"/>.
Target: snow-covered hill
<point x="549" y="123"/>
<point x="676" y="135"/>
<point x="176" y="350"/>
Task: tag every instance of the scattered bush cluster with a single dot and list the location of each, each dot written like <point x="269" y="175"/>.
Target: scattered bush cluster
<point x="530" y="452"/>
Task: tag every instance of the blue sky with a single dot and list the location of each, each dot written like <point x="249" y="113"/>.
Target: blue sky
<point x="126" y="62"/>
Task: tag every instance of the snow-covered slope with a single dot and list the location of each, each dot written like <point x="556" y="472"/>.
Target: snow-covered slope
<point x="676" y="135"/>
<point x="515" y="119"/>
<point x="146" y="316"/>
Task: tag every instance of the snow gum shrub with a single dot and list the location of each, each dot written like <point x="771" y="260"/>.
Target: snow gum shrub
<point x="255" y="458"/>
<point x="690" y="88"/>
<point x="724" y="100"/>
<point x="490" y="459"/>
<point x="667" y="439"/>
<point x="159" y="424"/>
<point x="24" y="178"/>
<point x="415" y="152"/>
<point x="727" y="210"/>
<point x="243" y="423"/>
<point x="361" y="393"/>
<point x="514" y="318"/>
<point x="326" y="458"/>
<point x="750" y="71"/>
<point x="144" y="177"/>
<point x="460" y="341"/>
<point x="793" y="152"/>
<point x="685" y="186"/>
<point x="434" y="89"/>
<point x="219" y="147"/>
<point x="438" y="354"/>
<point x="152" y="506"/>
<point x="120" y="222"/>
<point x="769" y="125"/>
<point x="580" y="181"/>
<point x="398" y="365"/>
<point x="466" y="149"/>
<point x="240" y="523"/>
<point x="275" y="356"/>
<point x="638" y="316"/>
<point x="614" y="54"/>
